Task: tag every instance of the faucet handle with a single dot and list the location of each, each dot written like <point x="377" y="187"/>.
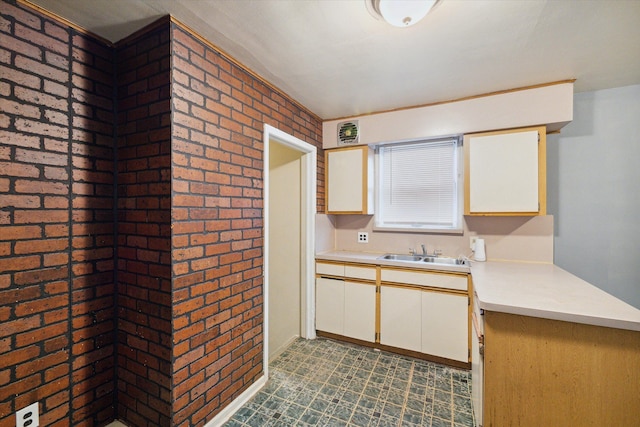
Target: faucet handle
<point x="437" y="252"/>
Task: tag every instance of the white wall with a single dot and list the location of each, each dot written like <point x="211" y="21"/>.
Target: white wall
<point x="593" y="187"/>
<point x="547" y="105"/>
<point x="507" y="238"/>
<point x="285" y="275"/>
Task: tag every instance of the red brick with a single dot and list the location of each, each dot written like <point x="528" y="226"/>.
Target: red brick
<point x="40" y="334"/>
<point x="8" y="200"/>
<point x="19" y="139"/>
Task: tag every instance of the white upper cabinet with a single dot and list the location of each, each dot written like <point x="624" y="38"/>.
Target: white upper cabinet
<point x="505" y="172"/>
<point x="349" y="180"/>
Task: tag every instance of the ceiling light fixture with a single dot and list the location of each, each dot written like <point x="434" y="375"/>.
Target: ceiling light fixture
<point x="400" y="13"/>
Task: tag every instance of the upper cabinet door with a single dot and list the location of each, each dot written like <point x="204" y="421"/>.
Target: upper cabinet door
<point x="505" y="172"/>
<point x="349" y="180"/>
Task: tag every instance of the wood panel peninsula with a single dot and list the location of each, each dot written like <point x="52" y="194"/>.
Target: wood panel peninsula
<point x="557" y="350"/>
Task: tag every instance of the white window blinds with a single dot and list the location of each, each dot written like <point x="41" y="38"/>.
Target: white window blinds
<point x="418" y="185"/>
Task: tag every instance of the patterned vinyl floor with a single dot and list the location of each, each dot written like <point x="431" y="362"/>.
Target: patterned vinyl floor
<point x="327" y="383"/>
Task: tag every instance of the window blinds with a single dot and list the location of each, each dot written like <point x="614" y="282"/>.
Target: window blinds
<point x="418" y="184"/>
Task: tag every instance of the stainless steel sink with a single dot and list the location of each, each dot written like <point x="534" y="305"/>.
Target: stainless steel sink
<point x="400" y="257"/>
<point x="442" y="260"/>
<point x="428" y="259"/>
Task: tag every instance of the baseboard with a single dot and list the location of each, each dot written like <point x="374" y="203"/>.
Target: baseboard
<point x="227" y="412"/>
<point x="237" y="403"/>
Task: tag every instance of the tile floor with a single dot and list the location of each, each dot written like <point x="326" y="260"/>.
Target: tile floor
<point x="327" y="383"/>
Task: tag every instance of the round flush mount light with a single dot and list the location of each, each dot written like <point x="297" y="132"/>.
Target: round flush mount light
<point x="400" y="13"/>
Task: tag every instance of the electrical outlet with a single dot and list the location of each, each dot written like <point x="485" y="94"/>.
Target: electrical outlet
<point x="363" y="237"/>
<point x="472" y="242"/>
<point x="28" y="416"/>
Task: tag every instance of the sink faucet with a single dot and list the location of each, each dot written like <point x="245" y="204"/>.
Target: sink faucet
<point x="436" y="252"/>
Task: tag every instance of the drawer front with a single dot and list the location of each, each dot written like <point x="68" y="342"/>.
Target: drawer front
<point x="445" y="281"/>
<point x="364" y="273"/>
<point x="330" y="269"/>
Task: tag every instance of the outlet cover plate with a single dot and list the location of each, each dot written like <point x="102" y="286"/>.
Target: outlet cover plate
<point x="363" y="237"/>
<point x="28" y="416"/>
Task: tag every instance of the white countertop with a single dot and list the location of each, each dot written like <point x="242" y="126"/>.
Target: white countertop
<point x="530" y="289"/>
<point x="548" y="291"/>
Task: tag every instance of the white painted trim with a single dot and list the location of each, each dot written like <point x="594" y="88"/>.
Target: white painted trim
<point x="224" y="415"/>
<point x="309" y="162"/>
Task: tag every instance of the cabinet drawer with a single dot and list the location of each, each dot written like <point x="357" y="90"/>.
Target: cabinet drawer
<point x="355" y="272"/>
<point x="330" y="269"/>
<point x="447" y="281"/>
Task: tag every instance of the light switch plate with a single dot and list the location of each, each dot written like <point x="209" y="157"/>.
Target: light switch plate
<point x="363" y="237"/>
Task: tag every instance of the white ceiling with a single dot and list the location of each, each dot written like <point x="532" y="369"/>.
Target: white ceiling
<point x="336" y="59"/>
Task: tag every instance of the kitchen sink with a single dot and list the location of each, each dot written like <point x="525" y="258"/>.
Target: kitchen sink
<point x="443" y="260"/>
<point x="399" y="257"/>
<point x="427" y="259"/>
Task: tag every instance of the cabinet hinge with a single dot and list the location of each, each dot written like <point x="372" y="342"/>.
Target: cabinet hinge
<point x="538" y="137"/>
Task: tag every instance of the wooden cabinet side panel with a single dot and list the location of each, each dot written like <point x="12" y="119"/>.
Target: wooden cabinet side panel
<point x="552" y="373"/>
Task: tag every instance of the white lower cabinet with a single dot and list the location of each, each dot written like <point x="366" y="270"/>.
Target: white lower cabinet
<point x="330" y="305"/>
<point x="420" y="311"/>
<point x="429" y="322"/>
<point x="346" y="308"/>
<point x="360" y="311"/>
<point x="445" y="325"/>
<point x="400" y="313"/>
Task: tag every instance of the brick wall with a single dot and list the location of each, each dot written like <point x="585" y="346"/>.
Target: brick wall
<point x="188" y="301"/>
<point x="144" y="230"/>
<point x="219" y="111"/>
<point x="92" y="232"/>
<point x="56" y="222"/>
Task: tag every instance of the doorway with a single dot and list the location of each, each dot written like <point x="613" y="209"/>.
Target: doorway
<point x="289" y="211"/>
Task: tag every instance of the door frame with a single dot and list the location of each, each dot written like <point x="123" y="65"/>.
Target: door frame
<point x="308" y="198"/>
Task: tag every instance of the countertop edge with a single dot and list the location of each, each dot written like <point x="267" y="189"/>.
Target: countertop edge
<point x="372" y="258"/>
<point x="560" y="316"/>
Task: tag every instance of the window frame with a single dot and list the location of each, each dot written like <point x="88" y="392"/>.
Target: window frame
<point x="458" y="162"/>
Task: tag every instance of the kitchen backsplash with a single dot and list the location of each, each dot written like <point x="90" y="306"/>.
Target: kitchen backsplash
<point x="506" y="238"/>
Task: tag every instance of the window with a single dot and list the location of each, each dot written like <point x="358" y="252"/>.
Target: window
<point x="418" y="186"/>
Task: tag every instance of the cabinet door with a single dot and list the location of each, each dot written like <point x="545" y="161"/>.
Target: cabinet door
<point x="445" y="325"/>
<point x="348" y="181"/>
<point x="360" y="311"/>
<point x="400" y="318"/>
<point x="506" y="172"/>
<point x="330" y="305"/>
